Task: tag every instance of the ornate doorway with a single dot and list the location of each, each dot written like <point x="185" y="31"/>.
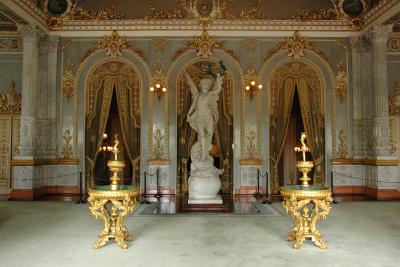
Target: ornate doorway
<point x="286" y="79"/>
<point x="223" y="135"/>
<point x="113" y="82"/>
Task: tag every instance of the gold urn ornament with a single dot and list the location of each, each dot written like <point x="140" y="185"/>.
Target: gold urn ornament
<point x="115" y="166"/>
<point x="302" y="165"/>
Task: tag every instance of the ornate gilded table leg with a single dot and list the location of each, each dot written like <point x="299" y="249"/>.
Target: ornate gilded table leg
<point x="112" y="207"/>
<point x="305" y="219"/>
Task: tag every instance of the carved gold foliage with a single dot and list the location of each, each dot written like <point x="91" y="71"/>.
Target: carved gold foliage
<point x="295" y="46"/>
<point x="250" y="44"/>
<point x="342" y="45"/>
<point x="341" y="81"/>
<point x="394" y="100"/>
<point x="68" y="81"/>
<point x="67" y="147"/>
<point x="158" y="148"/>
<point x="5" y="148"/>
<point x="10" y="102"/>
<point x="159" y="44"/>
<point x="216" y="9"/>
<point x="321" y="14"/>
<point x="204" y="45"/>
<point x="114" y="44"/>
<point x="108" y="13"/>
<point x="251" y="146"/>
<point x="342" y="151"/>
<point x="159" y="78"/>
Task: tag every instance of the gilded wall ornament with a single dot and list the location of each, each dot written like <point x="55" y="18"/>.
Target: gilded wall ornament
<point x="158" y="148"/>
<point x="68" y="81"/>
<point x="342" y="45"/>
<point x="158" y="80"/>
<point x="341" y="81"/>
<point x="342" y="151"/>
<point x="394" y="44"/>
<point x="159" y="44"/>
<point x="10" y="102"/>
<point x="251" y="149"/>
<point x="394" y="100"/>
<point x="321" y="14"/>
<point x="295" y="46"/>
<point x="67" y="147"/>
<point x="252" y="84"/>
<point x="114" y="44"/>
<point x="250" y="44"/>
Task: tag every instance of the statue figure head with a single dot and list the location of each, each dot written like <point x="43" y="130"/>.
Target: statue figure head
<point x="205" y="85"/>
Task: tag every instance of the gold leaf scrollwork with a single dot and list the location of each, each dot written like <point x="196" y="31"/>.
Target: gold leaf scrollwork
<point x="321" y="14"/>
<point x="250" y="44"/>
<point x="10" y="102"/>
<point x="68" y="81"/>
<point x="342" y="152"/>
<point x="394" y="100"/>
<point x="341" y="81"/>
<point x="159" y="44"/>
<point x="158" y="148"/>
<point x="67" y="147"/>
<point x="114" y="44"/>
<point x="295" y="46"/>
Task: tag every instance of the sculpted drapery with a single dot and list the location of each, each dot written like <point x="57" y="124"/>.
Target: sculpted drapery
<point x="308" y="82"/>
<point x="100" y="87"/>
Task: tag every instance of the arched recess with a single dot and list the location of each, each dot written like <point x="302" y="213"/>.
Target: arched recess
<point x="316" y="64"/>
<point x="88" y="66"/>
<point x="174" y="73"/>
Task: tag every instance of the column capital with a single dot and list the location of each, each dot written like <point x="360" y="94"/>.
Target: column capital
<point x="380" y="33"/>
<point x="53" y="42"/>
<point x="28" y="31"/>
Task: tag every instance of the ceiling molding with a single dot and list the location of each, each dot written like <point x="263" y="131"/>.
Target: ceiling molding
<point x="28" y="10"/>
<point x="381" y="12"/>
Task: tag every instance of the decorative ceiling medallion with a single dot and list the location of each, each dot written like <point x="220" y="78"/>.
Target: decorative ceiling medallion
<point x="295" y="46"/>
<point x="10" y="102"/>
<point x="341" y="81"/>
<point x="321" y="14"/>
<point x="114" y="44"/>
<point x="394" y="100"/>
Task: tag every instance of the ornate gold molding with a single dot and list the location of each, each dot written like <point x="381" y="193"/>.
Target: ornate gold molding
<point x="68" y="81"/>
<point x="158" y="148"/>
<point x="250" y="44"/>
<point x="114" y="44"/>
<point x="394" y="100"/>
<point x="295" y="46"/>
<point x="159" y="44"/>
<point x="204" y="45"/>
<point x="67" y="147"/>
<point x="342" y="151"/>
<point x="341" y="81"/>
<point x="10" y="102"/>
<point x="342" y="45"/>
<point x="321" y="14"/>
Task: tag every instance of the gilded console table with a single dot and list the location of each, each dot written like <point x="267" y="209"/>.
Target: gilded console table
<point x="307" y="204"/>
<point x="113" y="206"/>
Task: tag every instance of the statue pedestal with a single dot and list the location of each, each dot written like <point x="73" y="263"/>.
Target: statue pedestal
<point x="216" y="200"/>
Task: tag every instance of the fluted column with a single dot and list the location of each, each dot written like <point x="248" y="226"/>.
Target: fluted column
<point x="53" y="44"/>
<point x="381" y="141"/>
<point x="30" y="35"/>
<point x="356" y="48"/>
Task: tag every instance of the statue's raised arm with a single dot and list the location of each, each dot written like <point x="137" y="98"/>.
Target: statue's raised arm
<point x="192" y="85"/>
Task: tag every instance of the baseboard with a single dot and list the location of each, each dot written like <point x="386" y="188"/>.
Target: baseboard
<point x="66" y="193"/>
<point x="355" y="193"/>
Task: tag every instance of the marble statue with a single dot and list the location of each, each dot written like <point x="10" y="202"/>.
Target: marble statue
<point x="204" y="182"/>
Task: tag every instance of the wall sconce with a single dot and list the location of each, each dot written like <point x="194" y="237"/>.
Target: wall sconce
<point x="158" y="86"/>
<point x="251" y="80"/>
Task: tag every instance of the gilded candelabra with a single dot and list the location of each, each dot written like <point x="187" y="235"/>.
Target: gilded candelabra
<point x="302" y="165"/>
<point x="115" y="166"/>
<point x="307" y="204"/>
